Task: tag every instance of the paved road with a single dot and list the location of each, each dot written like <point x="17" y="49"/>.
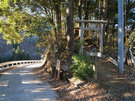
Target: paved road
<point x="21" y="84"/>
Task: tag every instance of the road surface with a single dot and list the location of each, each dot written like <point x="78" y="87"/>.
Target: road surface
<point x="20" y="84"/>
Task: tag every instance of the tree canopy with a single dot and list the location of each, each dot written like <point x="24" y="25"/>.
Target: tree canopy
<point x="53" y="20"/>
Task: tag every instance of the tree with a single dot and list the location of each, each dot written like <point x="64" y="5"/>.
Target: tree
<point x="105" y="28"/>
<point x="27" y="56"/>
<point x="19" y="21"/>
<point x="22" y="55"/>
<point x="52" y="20"/>
<point x="70" y="27"/>
<point x="17" y="53"/>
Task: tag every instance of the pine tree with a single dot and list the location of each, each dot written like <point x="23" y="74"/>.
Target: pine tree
<point x="23" y="56"/>
<point x="17" y="53"/>
<point x="27" y="56"/>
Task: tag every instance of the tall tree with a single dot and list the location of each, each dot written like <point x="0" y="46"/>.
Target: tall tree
<point x="70" y="27"/>
<point x="105" y="27"/>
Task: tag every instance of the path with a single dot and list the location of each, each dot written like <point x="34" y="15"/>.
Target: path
<point x="21" y="84"/>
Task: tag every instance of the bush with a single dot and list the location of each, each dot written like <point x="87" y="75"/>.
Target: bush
<point x="82" y="67"/>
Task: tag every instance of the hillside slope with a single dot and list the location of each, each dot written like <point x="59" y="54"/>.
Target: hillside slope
<point x="28" y="45"/>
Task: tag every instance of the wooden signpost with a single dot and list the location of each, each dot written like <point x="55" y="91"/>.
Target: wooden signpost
<point x="57" y="70"/>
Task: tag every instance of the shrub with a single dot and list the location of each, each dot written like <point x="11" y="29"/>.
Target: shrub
<point x="82" y="67"/>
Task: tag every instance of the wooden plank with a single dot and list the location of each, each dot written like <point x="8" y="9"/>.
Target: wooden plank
<point x="129" y="59"/>
<point x="132" y="57"/>
<point x="113" y="61"/>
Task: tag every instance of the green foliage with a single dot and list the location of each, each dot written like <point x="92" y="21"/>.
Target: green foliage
<point x="106" y="48"/>
<point x="79" y="43"/>
<point x="82" y="67"/>
<point x="132" y="42"/>
<point x="10" y="58"/>
<point x="13" y="52"/>
<point x="17" y="54"/>
<point x="17" y="22"/>
<point x="22" y="55"/>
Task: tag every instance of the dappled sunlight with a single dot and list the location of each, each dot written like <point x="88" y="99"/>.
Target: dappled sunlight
<point x="9" y="73"/>
<point x="3" y="85"/>
<point x="40" y="89"/>
<point x="21" y="84"/>
<point x="2" y="95"/>
<point x="26" y="73"/>
<point x="127" y="95"/>
<point x="32" y="82"/>
<point x="132" y="83"/>
<point x="34" y="65"/>
<point x="114" y="81"/>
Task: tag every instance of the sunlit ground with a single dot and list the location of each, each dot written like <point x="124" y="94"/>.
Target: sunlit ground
<point x="21" y="84"/>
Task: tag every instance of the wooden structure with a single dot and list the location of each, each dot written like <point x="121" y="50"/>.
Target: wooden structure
<point x="81" y="31"/>
<point x="128" y="57"/>
<point x="120" y="33"/>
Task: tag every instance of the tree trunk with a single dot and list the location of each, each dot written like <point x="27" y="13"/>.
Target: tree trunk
<point x="99" y="9"/>
<point x="58" y="17"/>
<point x="105" y="2"/>
<point x="80" y="11"/>
<point x="70" y="27"/>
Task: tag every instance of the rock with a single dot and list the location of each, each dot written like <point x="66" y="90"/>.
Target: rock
<point x="76" y="82"/>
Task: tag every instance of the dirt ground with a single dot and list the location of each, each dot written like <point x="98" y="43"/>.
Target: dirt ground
<point x="110" y="85"/>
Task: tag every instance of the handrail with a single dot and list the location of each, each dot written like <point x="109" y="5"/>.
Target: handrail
<point x="9" y="64"/>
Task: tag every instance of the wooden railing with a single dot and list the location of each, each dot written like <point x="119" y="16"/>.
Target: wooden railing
<point x="9" y="64"/>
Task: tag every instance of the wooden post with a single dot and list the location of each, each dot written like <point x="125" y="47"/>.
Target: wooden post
<point x="120" y="35"/>
<point x="53" y="69"/>
<point x="101" y="38"/>
<point x="94" y="65"/>
<point x="54" y="51"/>
<point x="81" y="39"/>
<point x="126" y="42"/>
<point x="59" y="70"/>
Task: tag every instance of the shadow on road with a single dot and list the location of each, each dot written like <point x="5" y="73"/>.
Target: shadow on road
<point x="21" y="84"/>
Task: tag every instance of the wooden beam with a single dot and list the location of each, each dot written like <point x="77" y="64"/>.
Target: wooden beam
<point x="81" y="39"/>
<point x="97" y="29"/>
<point x="132" y="57"/>
<point x="113" y="61"/>
<point x="101" y="38"/>
<point x="92" y="21"/>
